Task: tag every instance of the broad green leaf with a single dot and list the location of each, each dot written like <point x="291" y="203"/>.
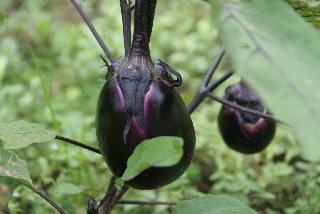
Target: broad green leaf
<point x="4" y="21"/>
<point x="71" y="189"/>
<point x="277" y="53"/>
<point x="161" y="151"/>
<point x="20" y="134"/>
<point x="7" y="187"/>
<point x="12" y="167"/>
<point x="310" y="11"/>
<point x="215" y="204"/>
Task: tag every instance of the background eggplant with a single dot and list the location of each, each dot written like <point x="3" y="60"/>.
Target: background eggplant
<point x="139" y="101"/>
<point x="244" y="132"/>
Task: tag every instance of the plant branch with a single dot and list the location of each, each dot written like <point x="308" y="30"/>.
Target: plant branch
<point x="151" y="9"/>
<point x="48" y="200"/>
<point x="111" y="198"/>
<point x="140" y="17"/>
<point x="213" y="67"/>
<point x="126" y="20"/>
<point x="221" y="80"/>
<point x="73" y="142"/>
<point x="243" y="109"/>
<point x="201" y="94"/>
<point x="146" y="202"/>
<point x="93" y="30"/>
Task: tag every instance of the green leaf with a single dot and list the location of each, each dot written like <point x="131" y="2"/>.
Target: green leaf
<point x="99" y="83"/>
<point x="161" y="151"/>
<point x="277" y="53"/>
<point x="20" y="134"/>
<point x="217" y="204"/>
<point x="4" y="21"/>
<point x="7" y="187"/>
<point x="12" y="167"/>
<point x="310" y="11"/>
<point x="119" y="183"/>
<point x="71" y="189"/>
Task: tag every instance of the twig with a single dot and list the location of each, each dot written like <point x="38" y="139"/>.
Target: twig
<point x="93" y="30"/>
<point x="213" y="67"/>
<point x="111" y="198"/>
<point x="77" y="144"/>
<point x="243" y="109"/>
<point x="221" y="80"/>
<point x="56" y="206"/>
<point x="201" y="94"/>
<point x="206" y="90"/>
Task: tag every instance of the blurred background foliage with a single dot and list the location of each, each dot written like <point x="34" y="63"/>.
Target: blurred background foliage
<point x="275" y="181"/>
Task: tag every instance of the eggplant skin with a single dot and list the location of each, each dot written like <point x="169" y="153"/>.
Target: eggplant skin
<point x="165" y="114"/>
<point x="260" y="134"/>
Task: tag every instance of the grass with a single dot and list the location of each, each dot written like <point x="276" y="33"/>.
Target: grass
<point x="275" y="181"/>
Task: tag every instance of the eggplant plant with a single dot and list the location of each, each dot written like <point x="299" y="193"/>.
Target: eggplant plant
<point x="243" y="132"/>
<point x="139" y="101"/>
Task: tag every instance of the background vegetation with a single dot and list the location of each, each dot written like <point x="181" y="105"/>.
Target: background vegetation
<point x="275" y="181"/>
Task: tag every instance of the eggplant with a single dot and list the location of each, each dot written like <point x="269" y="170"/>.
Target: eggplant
<point x="138" y="102"/>
<point x="241" y="131"/>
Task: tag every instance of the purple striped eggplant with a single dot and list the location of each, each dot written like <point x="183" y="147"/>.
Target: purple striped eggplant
<point x="138" y="102"/>
<point x="241" y="131"/>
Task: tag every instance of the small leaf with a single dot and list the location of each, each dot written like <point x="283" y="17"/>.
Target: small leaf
<point x="277" y="53"/>
<point x="217" y="204"/>
<point x="20" y="134"/>
<point x="71" y="189"/>
<point x="99" y="83"/>
<point x="161" y="151"/>
<point x="4" y="21"/>
<point x="12" y="167"/>
<point x="119" y="183"/>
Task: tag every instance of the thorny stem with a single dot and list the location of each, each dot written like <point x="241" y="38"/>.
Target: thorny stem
<point x="93" y="30"/>
<point x="78" y="144"/>
<point x="126" y="20"/>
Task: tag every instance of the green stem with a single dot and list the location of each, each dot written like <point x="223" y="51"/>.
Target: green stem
<point x="45" y="92"/>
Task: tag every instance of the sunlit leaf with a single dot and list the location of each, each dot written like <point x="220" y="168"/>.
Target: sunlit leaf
<point x="217" y="204"/>
<point x="20" y="134"/>
<point x="12" y="167"/>
<point x="4" y="21"/>
<point x="277" y="53"/>
<point x="161" y="151"/>
<point x="71" y="189"/>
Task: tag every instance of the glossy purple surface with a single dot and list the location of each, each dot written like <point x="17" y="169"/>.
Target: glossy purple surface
<point x="165" y="114"/>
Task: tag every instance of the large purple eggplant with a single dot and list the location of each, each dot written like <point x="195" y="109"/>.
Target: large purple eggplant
<point x="139" y="101"/>
<point x="241" y="131"/>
